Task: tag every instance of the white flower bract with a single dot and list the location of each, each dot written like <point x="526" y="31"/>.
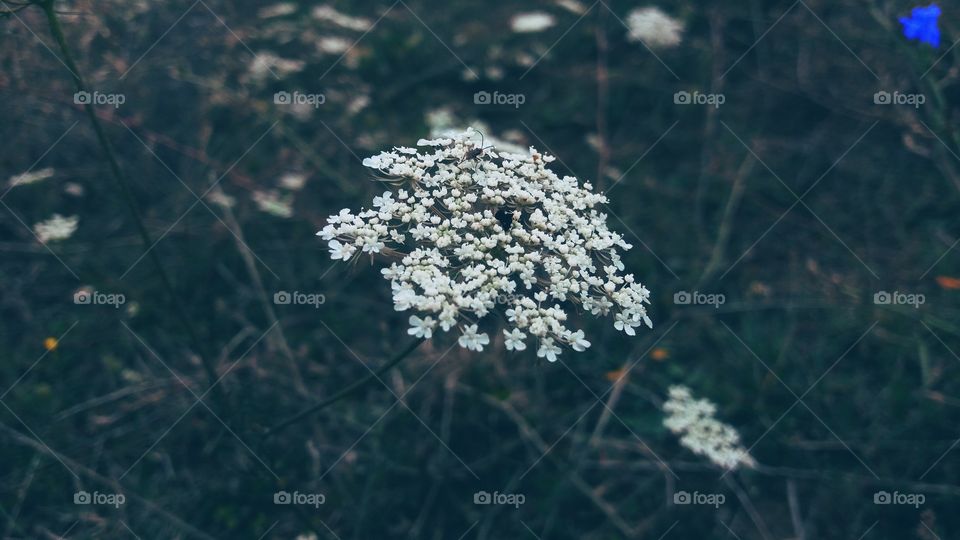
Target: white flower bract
<point x="693" y="420"/>
<point x="467" y="226"/>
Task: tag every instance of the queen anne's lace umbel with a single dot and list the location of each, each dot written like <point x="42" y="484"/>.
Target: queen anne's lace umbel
<point x="472" y="228"/>
<point x="693" y="420"/>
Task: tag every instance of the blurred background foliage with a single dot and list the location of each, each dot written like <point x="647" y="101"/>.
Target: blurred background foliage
<point x="798" y="199"/>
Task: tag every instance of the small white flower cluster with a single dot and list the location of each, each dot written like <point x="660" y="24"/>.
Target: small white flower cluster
<point x="267" y="63"/>
<point x="471" y="226"/>
<point x="536" y="21"/>
<point x="693" y="419"/>
<point x="274" y="203"/>
<point x="654" y="28"/>
<point x="56" y="228"/>
<point x="277" y="10"/>
<point x="31" y="177"/>
<point x="329" y="14"/>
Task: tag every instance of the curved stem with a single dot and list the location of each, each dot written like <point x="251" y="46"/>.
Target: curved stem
<point x="123" y="183"/>
<point x="346" y="391"/>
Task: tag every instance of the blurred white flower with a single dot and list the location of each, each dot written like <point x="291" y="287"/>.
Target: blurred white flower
<point x="293" y="181"/>
<point x="572" y="6"/>
<point x="73" y="188"/>
<point x="329" y="14"/>
<point x="266" y="63"/>
<point x="56" y="228"/>
<point x="218" y="197"/>
<point x="654" y="28"/>
<point x="358" y="103"/>
<point x="471" y="225"/>
<point x="277" y="10"/>
<point x="536" y="21"/>
<point x="272" y="203"/>
<point x="439" y="119"/>
<point x="494" y="73"/>
<point x="333" y="45"/>
<point x="701" y="433"/>
<point x="31" y="177"/>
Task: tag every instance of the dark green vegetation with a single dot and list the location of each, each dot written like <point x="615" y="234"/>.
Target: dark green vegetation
<point x="799" y="199"/>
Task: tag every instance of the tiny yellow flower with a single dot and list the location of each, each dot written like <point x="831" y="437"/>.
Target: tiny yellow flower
<point x="50" y="343"/>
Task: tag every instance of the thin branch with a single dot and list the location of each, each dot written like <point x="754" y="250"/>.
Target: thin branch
<point x="22" y="439"/>
<point x="346" y="391"/>
<point x="123" y="183"/>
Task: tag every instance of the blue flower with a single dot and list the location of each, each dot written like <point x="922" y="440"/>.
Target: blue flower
<point x="922" y="25"/>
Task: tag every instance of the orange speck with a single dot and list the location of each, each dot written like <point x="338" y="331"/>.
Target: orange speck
<point x="615" y="375"/>
<point x="948" y="282"/>
<point x="659" y="354"/>
<point x="50" y="343"/>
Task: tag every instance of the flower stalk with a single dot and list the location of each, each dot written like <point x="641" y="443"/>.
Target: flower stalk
<point x="353" y="387"/>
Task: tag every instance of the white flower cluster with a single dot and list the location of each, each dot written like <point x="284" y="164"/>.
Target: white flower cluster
<point x="701" y="433"/>
<point x="471" y="227"/>
<point x="56" y="228"/>
<point x="654" y="28"/>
